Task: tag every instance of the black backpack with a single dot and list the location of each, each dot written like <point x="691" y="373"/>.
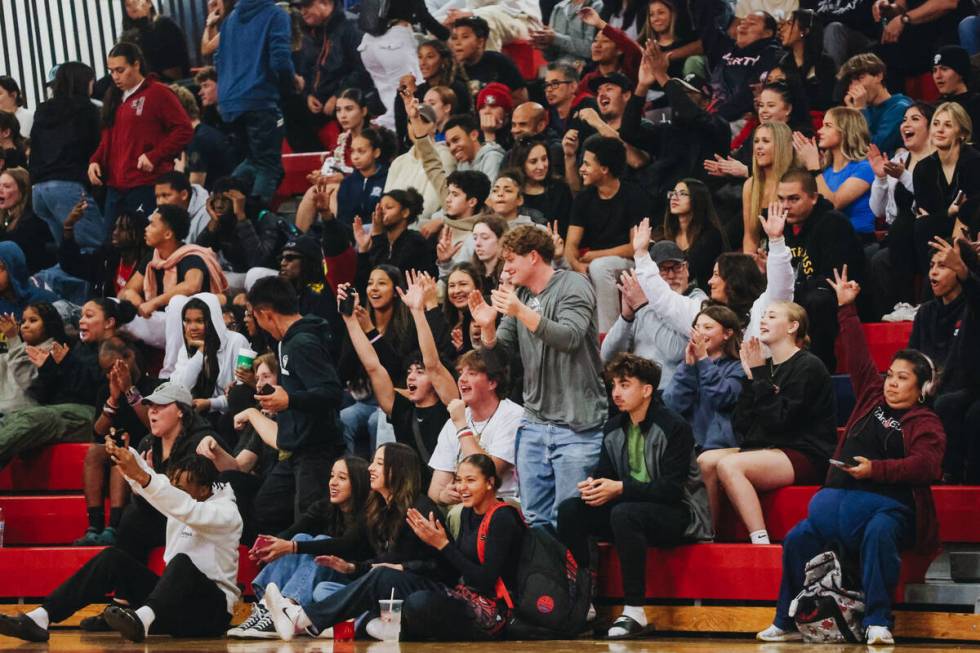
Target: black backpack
<point x="553" y="593"/>
<point x="373" y="18"/>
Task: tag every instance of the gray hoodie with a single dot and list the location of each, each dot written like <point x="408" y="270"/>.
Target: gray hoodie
<point x="16" y="373"/>
<point x="562" y="371"/>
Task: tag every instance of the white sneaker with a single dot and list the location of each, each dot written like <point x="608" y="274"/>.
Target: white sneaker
<point x="775" y="634"/>
<point x="592" y="614"/>
<point x="903" y="312"/>
<point x="277" y="604"/>
<point x="879" y="635"/>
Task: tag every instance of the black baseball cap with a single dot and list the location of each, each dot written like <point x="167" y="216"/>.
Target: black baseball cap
<point x="617" y="78"/>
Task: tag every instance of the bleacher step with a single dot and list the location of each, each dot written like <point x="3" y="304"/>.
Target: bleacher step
<point x="43" y="520"/>
<point x="942" y="594"/>
<point x="56" y="468"/>
<point x="965" y="566"/>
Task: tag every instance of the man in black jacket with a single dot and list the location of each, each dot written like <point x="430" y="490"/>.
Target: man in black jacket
<point x="306" y="404"/>
<point x="646" y="490"/>
<point x="821" y="240"/>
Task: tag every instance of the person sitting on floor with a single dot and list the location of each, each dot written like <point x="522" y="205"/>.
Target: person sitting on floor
<point x="197" y="593"/>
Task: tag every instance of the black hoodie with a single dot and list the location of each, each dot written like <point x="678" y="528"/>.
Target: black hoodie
<point x="936" y="326"/>
<point x="308" y="375"/>
<point x="65" y="135"/>
<point x="822" y="243"/>
<point x="737" y="69"/>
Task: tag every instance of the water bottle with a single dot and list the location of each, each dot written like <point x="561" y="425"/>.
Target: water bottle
<point x="1" y="527"/>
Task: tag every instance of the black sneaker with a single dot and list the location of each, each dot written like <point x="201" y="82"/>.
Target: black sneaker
<point x="94" y="624"/>
<point x="22" y="627"/>
<point x="126" y="622"/>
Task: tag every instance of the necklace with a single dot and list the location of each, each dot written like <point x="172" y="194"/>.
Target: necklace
<point x="486" y="424"/>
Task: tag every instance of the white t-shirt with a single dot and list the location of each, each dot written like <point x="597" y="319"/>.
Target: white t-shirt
<point x="496" y="436"/>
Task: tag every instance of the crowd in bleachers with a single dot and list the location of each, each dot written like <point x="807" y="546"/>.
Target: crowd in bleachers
<point x="596" y="259"/>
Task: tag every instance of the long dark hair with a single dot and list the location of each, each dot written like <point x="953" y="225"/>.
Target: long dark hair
<point x="453" y="314"/>
<point x="208" y="378"/>
<point x="72" y="80"/>
<point x="498" y="226"/>
<point x="812" y="29"/>
<point x="54" y="325"/>
<point x="635" y="12"/>
<point x="403" y="478"/>
<point x="135" y="223"/>
<point x="743" y="283"/>
<point x="128" y="23"/>
<point x="9" y="122"/>
<point x="400" y="327"/>
<point x="520" y="153"/>
<point x="449" y="70"/>
<point x="10" y="85"/>
<point x="360" y="489"/>
<point x="703" y="214"/>
<point x="113" y="97"/>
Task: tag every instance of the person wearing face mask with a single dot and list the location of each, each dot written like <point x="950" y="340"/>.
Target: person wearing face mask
<point x="821" y="240"/>
<point x="197" y="592"/>
<point x="876" y="500"/>
<point x="639" y="329"/>
<point x="68" y="378"/>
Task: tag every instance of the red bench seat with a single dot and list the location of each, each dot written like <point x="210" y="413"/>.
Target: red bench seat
<point x="56" y="468"/>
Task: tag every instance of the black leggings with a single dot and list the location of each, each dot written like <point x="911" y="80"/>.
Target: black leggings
<point x="632" y="526"/>
<point x="185" y="601"/>
<point x="960" y="413"/>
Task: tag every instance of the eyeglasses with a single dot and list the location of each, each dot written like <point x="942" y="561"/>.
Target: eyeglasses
<point x="556" y="83"/>
<point x="671" y="194"/>
<point x="671" y="268"/>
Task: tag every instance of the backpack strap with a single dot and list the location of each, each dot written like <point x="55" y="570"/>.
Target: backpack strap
<point x="481" y="550"/>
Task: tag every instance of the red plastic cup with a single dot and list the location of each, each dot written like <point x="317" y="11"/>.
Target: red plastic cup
<point x="344" y="631"/>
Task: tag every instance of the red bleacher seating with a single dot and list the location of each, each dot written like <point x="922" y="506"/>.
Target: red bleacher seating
<point x="43" y="520"/>
<point x="526" y="57"/>
<point x="884" y="339"/>
<point x="297" y="167"/>
<point x="55" y="468"/>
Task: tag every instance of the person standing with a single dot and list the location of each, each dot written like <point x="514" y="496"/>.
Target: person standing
<point x="144" y="129"/>
<point x="549" y="320"/>
<point x="254" y="64"/>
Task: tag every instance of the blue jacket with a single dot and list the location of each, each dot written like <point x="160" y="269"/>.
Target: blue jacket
<point x="253" y="60"/>
<point x="23" y="291"/>
<point x="705" y="395"/>
<point x="358" y="195"/>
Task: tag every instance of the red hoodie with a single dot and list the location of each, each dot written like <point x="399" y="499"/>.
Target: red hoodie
<point x="152" y="122"/>
<point x="922" y="433"/>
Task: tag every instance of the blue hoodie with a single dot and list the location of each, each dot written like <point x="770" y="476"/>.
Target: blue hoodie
<point x="253" y="59"/>
<point x="706" y="394"/>
<point x="23" y="292"/>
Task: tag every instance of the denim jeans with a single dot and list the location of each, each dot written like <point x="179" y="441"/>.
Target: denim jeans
<point x="53" y="201"/>
<point x="360" y="421"/>
<point x="970" y="35"/>
<point x="117" y="200"/>
<point x="870" y="525"/>
<point x="551" y="461"/>
<point x="262" y="132"/>
<point x="297" y="575"/>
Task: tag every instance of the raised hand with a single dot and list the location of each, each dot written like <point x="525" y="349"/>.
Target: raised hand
<point x="774" y="225"/>
<point x="632" y="293"/>
<point x="846" y="289"/>
<point x="58" y="352"/>
<point x="591" y="18"/>
<point x="457" y="412"/>
<point x="807" y="150"/>
<point x="877" y="161"/>
<point x="949" y="256"/>
<point x="37" y="355"/>
<point x="8" y="326"/>
<point x="445" y="250"/>
<point x="556" y="238"/>
<point x="482" y="313"/>
<point x="569" y="144"/>
<point x="726" y="167"/>
<point x="414" y="296"/>
<point x="640" y="236"/>
<point x="76" y="213"/>
<point x="361" y="237"/>
<point x="505" y="300"/>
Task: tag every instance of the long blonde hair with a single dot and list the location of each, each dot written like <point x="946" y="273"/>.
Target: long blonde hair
<point x="783" y="159"/>
<point x="855" y="137"/>
<point x="798" y="314"/>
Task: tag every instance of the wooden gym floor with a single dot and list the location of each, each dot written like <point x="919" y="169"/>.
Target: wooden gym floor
<point x="73" y="640"/>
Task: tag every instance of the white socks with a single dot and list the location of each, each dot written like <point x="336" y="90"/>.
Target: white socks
<point x="40" y="617"/>
<point x="146" y="616"/>
<point x="759" y="537"/>
<point x="636" y="613"/>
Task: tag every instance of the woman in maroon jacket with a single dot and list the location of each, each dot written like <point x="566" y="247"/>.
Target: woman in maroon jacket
<point x="876" y="500"/>
<point x="144" y="127"/>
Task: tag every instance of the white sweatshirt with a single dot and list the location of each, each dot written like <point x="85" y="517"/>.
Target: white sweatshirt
<point x="679" y="311"/>
<point x="188" y="368"/>
<point x="207" y="531"/>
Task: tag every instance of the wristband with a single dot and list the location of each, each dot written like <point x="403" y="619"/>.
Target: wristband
<point x="295" y="546"/>
<point x="133" y="396"/>
<point x="465" y="432"/>
<point x="108" y="410"/>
